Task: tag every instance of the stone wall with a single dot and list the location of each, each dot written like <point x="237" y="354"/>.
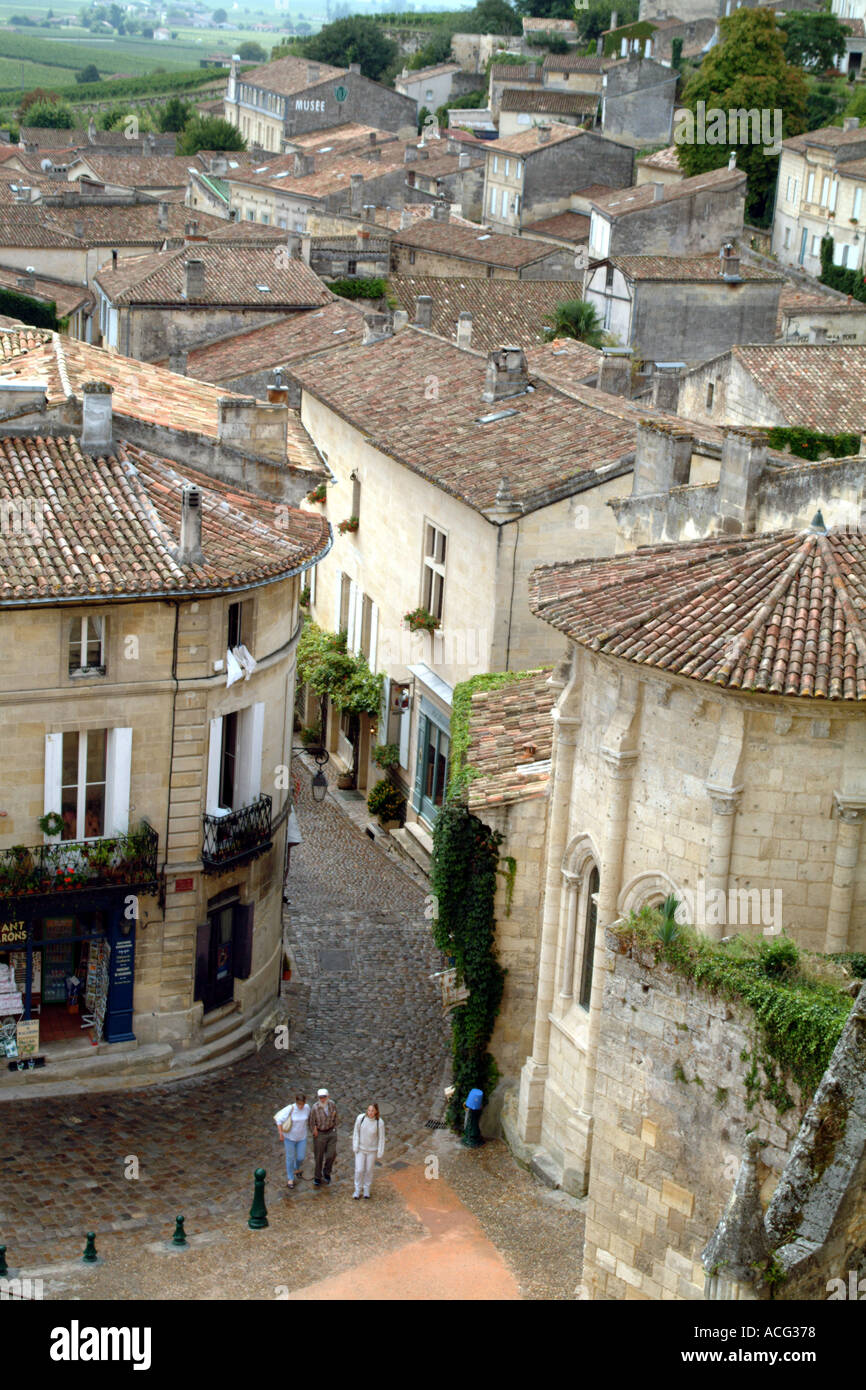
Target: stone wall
<point x="670" y="1123"/>
<point x="693" y="225"/>
<point x="639" y="102"/>
<point x="690" y="322"/>
<point x="553" y="172"/>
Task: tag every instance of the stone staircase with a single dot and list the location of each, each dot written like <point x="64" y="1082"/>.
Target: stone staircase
<point x="414" y="844"/>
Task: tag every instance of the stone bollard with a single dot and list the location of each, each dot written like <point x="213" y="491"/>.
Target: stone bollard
<point x="90" y="1256"/>
<point x="179" y="1237"/>
<point x="4" y="1269"/>
<point x="258" y="1211"/>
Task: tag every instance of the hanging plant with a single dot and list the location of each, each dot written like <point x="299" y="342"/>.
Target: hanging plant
<point x="318" y="494"/>
<point x="351" y="524"/>
<point x="51" y="823"/>
<point x="419" y="618"/>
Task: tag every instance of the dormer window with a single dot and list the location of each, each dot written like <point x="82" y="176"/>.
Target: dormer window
<point x="87" y="647"/>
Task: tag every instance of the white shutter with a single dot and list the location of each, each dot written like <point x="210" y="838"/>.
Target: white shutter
<point x="353" y="639"/>
<point x="250" y="739"/>
<point x="374" y="635"/>
<point x="53" y="776"/>
<point x="118" y="776"/>
<point x="405" y="727"/>
<point x="834" y="193"/>
<point x="214" y="758"/>
<point x="338" y="600"/>
<point x="312" y="582"/>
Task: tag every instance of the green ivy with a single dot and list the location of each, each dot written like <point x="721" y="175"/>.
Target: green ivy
<point x="326" y="666"/>
<point x="37" y="312"/>
<point x="463" y="880"/>
<point x="798" y="1018"/>
<point x="838" y="277"/>
<point x="812" y="444"/>
<point x="373" y="288"/>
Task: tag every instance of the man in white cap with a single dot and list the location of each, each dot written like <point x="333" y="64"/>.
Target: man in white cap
<point x="323" y="1123"/>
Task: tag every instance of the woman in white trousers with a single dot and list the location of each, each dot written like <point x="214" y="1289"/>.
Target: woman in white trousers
<point x="368" y="1142"/>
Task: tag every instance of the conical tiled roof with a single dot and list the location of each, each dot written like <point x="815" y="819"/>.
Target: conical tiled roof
<point x="780" y="614"/>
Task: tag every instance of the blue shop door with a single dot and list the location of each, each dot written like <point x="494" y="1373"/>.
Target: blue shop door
<point x="222" y="974"/>
<point x="431" y="777"/>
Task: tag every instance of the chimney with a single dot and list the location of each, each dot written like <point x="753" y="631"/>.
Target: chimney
<point x="405" y="219"/>
<point x="666" y="386"/>
<point x="91" y="131"/>
<point x="78" y="228"/>
<point x="464" y="330"/>
<point x="219" y="164"/>
<point x="658" y="192"/>
<point x="401" y="318"/>
<point x="312" y="73"/>
<point x="149" y="143"/>
<point x="452" y="147"/>
<point x="424" y="311"/>
<point x="410" y="177"/>
<point x="744" y="457"/>
<point x="96" y="418"/>
<point x="614" y="372"/>
<point x="356" y="188"/>
<point x="441" y="212"/>
<point x="304" y="164"/>
<point x="189" y="550"/>
<point x="614" y="16"/>
<point x="819" y="335"/>
<point x="114" y="260"/>
<point x="506" y="374"/>
<point x="376" y="328"/>
<point x="851" y="123"/>
<point x="464" y="159"/>
<point x="355" y="67"/>
<point x="663" y="457"/>
<point x="371" y="138"/>
<point x="278" y="391"/>
<point x="369" y="212"/>
<point x="543" y="134"/>
<point x="374" y="152"/>
<point x="599" y="47"/>
<point x="162" y="216"/>
<point x="193" y="276"/>
<point x="729" y="262"/>
<point x="27" y="282"/>
<point x="410" y="154"/>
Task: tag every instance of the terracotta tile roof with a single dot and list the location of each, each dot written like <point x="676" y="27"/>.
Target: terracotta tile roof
<point x="663" y="159"/>
<point x="779" y="613"/>
<point x="421" y="74"/>
<point x="549" y="26"/>
<point x="79" y="136"/>
<point x="568" y="226"/>
<point x="110" y="527"/>
<point x="142" y="391"/>
<point x="139" y="171"/>
<point x="332" y="172"/>
<point x="544" y="443"/>
<point x="550" y="103"/>
<point x="853" y="168"/>
<point x="121" y="224"/>
<point x="67" y="297"/>
<point x="593" y="191"/>
<point x="793" y="300"/>
<point x="573" y="62"/>
<point x="277" y="344"/>
<point x="527" y="142"/>
<point x="821" y="386"/>
<point x="340" y="136"/>
<point x="701" y="269"/>
<point x="21" y="225"/>
<point x="456" y="239"/>
<point x="627" y="200"/>
<point x="242" y="233"/>
<point x="515" y="72"/>
<point x="510" y="741"/>
<point x="232" y="275"/>
<point x="566" y="362"/>
<point x="289" y="75"/>
<point x="831" y="137"/>
<point x="503" y="311"/>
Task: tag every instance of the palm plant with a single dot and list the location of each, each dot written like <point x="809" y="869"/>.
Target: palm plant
<point x="667" y="930"/>
<point x="575" y="318"/>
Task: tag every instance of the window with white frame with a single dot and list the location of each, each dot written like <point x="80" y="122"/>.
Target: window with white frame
<point x="825" y="191"/>
<point x="87" y="778"/>
<point x="235" y="759"/>
<point x="496" y="164"/>
<point x="433" y="579"/>
<point x="810" y="189"/>
<point x="87" y="647"/>
<point x="493" y="199"/>
<point x="834" y="193"/>
<point x="858" y="198"/>
<point x="816" y="246"/>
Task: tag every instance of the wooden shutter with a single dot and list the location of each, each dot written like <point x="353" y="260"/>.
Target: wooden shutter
<point x="119" y="774"/>
<point x="242" y="940"/>
<point x="214" y="763"/>
<point x="53" y="775"/>
<point x="419" y="763"/>
<point x="374" y="637"/>
<point x="202" y="960"/>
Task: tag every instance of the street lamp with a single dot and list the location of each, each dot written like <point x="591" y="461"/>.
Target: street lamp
<point x="319" y="783"/>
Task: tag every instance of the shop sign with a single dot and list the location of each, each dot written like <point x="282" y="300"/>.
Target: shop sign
<point x="27" y="1037"/>
<point x="12" y="933"/>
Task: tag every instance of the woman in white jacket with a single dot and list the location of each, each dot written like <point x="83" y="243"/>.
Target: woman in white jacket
<point x="368" y="1142"/>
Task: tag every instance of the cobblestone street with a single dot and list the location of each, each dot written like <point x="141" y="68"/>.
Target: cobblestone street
<point x="365" y="1021"/>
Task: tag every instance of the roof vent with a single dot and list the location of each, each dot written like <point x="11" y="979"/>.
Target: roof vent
<point x="818" y="526"/>
<point x="189" y="551"/>
<point x="424" y="311"/>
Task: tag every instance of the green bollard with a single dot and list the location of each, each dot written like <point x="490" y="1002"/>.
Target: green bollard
<point x="90" y="1256"/>
<point x="179" y="1237"/>
<point x="4" y="1270"/>
<point x="258" y="1211"/>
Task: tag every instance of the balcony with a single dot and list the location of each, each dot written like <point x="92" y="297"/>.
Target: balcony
<point x="237" y="837"/>
<point x="82" y="871"/>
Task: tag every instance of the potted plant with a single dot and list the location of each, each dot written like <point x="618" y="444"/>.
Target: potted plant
<point x="419" y="618"/>
<point x="346" y="780"/>
<point x="386" y="802"/>
<point x="318" y="494"/>
<point x="350" y="524"/>
<point x="386" y="755"/>
<point x="100" y="857"/>
<point x="311" y="736"/>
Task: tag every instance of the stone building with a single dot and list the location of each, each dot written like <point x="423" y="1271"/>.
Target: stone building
<point x="689" y="218"/>
<point x="435" y="86"/>
<point x="440" y="246"/>
<point x="819" y="192"/>
<point x="684" y="308"/>
<point x="533" y="107"/>
<point x="150" y="626"/>
<point x="291" y="95"/>
<point x="638" y="98"/>
<point x="818" y="386"/>
<point x="533" y="175"/>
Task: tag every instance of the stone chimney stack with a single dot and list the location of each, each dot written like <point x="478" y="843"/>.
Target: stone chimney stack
<point x="278" y="391"/>
<point x="614" y="372"/>
<point x="377" y="327"/>
<point x="464" y="330"/>
<point x="193" y="279"/>
<point x="27" y="281"/>
<point x="507" y="374"/>
<point x="663" y="457"/>
<point x="96" y="425"/>
<point x="424" y="311"/>
<point x="162" y="217"/>
<point x="177" y="360"/>
<point x="371" y="139"/>
<point x="542" y="134"/>
<point x="744" y="458"/>
<point x="464" y="159"/>
<point x="304" y="164"/>
<point x="666" y="386"/>
<point x="355" y="67"/>
<point x="658" y="192"/>
<point x="442" y="212"/>
<point x="851" y="123"/>
<point x="78" y="228"/>
<point x="410" y="154"/>
<point x="189" y="551"/>
<point x="729" y="258"/>
<point x="405" y="220"/>
<point x="312" y="73"/>
<point x="356" y="182"/>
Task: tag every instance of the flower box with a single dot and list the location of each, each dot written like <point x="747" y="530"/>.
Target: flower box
<point x="350" y="524"/>
<point x="420" y="619"/>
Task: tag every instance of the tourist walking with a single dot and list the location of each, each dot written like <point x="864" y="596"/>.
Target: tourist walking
<point x="292" y="1123"/>
<point x="368" y="1142"/>
<point x="323" y="1123"/>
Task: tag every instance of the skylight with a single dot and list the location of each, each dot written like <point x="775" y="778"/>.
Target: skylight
<point x="485" y="237"/>
<point x="497" y="415"/>
<point x="265" y="289"/>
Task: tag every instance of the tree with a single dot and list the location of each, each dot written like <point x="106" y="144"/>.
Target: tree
<point x="174" y="115"/>
<point x="813" y="41"/>
<point x="595" y="19"/>
<point x="252" y="53"/>
<point x="88" y="74"/>
<point x="37" y="97"/>
<point x="496" y="17"/>
<point x="355" y="40"/>
<point x="745" y="72"/>
<point x="546" y="9"/>
<point x="575" y="318"/>
<point x="219" y="16"/>
<point x="209" y="133"/>
<point x="822" y="106"/>
<point x="147" y="32"/>
<point x="50" y="115"/>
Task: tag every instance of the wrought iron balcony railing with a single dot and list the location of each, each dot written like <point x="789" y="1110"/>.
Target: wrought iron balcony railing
<point x="238" y="836"/>
<point x="37" y="872"/>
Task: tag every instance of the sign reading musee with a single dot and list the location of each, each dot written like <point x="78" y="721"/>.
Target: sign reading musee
<point x="301" y="105"/>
